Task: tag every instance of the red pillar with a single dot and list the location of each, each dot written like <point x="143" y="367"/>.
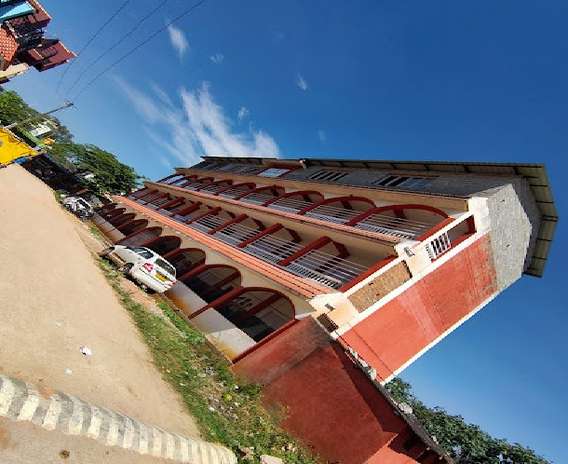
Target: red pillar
<point x="173" y="202"/>
<point x="206" y="213"/>
<point x="269" y="230"/>
<point x="219" y="301"/>
<point x="314" y="245"/>
<point x="239" y="218"/>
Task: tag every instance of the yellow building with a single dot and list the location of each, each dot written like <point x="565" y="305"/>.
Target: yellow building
<point x="12" y="148"/>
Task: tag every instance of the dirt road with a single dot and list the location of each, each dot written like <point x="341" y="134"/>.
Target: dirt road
<point x="54" y="299"/>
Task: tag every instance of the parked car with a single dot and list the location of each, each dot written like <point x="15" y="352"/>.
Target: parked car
<point x="143" y="265"/>
<point x="79" y="207"/>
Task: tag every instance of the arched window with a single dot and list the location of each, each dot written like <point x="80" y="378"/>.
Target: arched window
<point x="121" y="219"/>
<point x="141" y="237"/>
<point x="258" y="311"/>
<point x="185" y="259"/>
<point x="163" y="245"/>
<point x="131" y="227"/>
<point x="213" y="281"/>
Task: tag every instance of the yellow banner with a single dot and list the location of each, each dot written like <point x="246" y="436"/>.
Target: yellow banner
<point x="12" y="147"/>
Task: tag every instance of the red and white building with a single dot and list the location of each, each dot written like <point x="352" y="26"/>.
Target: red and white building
<point x="323" y="279"/>
<point x="22" y="39"/>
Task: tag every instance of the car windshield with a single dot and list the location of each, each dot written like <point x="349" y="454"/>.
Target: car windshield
<point x="143" y="252"/>
<point x="166" y="266"/>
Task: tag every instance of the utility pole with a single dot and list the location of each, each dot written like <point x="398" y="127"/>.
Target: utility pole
<point x="67" y="104"/>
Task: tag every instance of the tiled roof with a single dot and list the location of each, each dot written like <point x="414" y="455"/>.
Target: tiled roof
<point x="8" y="46"/>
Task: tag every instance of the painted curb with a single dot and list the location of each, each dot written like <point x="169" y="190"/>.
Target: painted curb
<point x="21" y="401"/>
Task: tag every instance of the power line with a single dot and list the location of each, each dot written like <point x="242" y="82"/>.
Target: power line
<point x="116" y="44"/>
<point x="67" y="104"/>
<point x="141" y="44"/>
<point x="90" y="41"/>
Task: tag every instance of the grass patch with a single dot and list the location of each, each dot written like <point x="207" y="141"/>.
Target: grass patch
<point x="96" y="232"/>
<point x="227" y="410"/>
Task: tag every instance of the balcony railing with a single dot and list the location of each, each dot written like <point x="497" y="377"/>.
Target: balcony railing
<point x="324" y="268"/>
<point x="234" y="192"/>
<point x="382" y="223"/>
<point x="402" y="228"/>
<point x="257" y="198"/>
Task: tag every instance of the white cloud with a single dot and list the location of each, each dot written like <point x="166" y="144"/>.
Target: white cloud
<point x="322" y="135"/>
<point x="301" y="82"/>
<point x="217" y="58"/>
<point x="196" y="126"/>
<point x="178" y="40"/>
<point x="243" y="113"/>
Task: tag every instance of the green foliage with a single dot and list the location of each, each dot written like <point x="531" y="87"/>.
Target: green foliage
<point x="466" y="443"/>
<point x="110" y="175"/>
<point x="13" y="108"/>
<point x="226" y="409"/>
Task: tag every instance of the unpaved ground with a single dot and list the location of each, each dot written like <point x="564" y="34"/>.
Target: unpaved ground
<point x="54" y="299"/>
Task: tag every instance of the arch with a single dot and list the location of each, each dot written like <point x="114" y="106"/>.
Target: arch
<point x="399" y="223"/>
<point x="218" y="186"/>
<point x="122" y="219"/>
<point x="237" y="190"/>
<point x="172" y="179"/>
<point x="212" y="281"/>
<point x="257" y="311"/>
<point x="138" y="193"/>
<point x="106" y="208"/>
<point x="289" y="202"/>
<point x="187" y="180"/>
<point x="273" y="190"/>
<point x="185" y="259"/>
<point x="164" y="244"/>
<point x="131" y="227"/>
<point x="345" y="203"/>
<point x="113" y="213"/>
<point x="141" y="237"/>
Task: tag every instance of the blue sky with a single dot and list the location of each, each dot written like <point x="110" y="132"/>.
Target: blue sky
<point x="483" y="81"/>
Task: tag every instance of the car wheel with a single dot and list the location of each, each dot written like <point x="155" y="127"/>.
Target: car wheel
<point x="106" y="252"/>
<point x="126" y="269"/>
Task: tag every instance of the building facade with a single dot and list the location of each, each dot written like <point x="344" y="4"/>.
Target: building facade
<point x="22" y="41"/>
<point x="324" y="279"/>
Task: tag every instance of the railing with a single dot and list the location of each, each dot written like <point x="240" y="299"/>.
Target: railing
<point x="235" y="192"/>
<point x="207" y="223"/>
<point x="257" y="198"/>
<point x="158" y="203"/>
<point x="382" y="223"/>
<point x="235" y="234"/>
<point x="214" y="188"/>
<point x="324" y="268"/>
<point x="438" y="246"/>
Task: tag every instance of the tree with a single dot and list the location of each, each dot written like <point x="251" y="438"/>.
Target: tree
<point x="109" y="174"/>
<point x="14" y="109"/>
<point x="466" y="443"/>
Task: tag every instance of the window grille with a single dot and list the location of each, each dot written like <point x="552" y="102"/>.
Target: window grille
<point x="274" y="172"/>
<point x="328" y="175"/>
<point x="409" y="182"/>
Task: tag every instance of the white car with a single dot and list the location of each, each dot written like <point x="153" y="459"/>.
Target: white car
<point x="145" y="266"/>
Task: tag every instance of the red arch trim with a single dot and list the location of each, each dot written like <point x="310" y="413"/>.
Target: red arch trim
<point x="179" y="251"/>
<point x="329" y="201"/>
<point x="238" y="292"/>
<point x="259" y="189"/>
<point x="205" y="267"/>
<point x="396" y="209"/>
<point x="292" y="194"/>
